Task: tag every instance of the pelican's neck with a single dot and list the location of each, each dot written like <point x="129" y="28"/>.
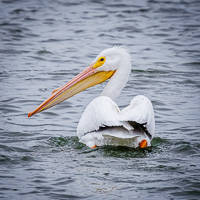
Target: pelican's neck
<point x="119" y="79"/>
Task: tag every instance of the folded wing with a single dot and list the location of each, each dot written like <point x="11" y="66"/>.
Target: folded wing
<point x="140" y="114"/>
<point x="103" y="123"/>
<point x="101" y="112"/>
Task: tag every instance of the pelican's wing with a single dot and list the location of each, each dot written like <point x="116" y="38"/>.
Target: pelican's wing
<point x="140" y="115"/>
<point x="101" y="112"/>
<point x="102" y="123"/>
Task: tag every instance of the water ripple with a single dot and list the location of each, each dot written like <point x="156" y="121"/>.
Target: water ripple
<point x="46" y="43"/>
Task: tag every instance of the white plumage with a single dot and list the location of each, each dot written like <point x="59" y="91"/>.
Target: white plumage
<point x="102" y="122"/>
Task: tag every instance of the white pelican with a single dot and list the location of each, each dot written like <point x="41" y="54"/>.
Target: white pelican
<point x="102" y="122"/>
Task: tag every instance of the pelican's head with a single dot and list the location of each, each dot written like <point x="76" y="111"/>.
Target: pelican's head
<point x="104" y="67"/>
<point x="112" y="58"/>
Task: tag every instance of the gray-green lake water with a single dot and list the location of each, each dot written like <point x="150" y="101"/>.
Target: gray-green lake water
<point x="43" y="44"/>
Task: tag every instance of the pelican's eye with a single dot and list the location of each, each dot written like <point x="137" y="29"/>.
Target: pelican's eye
<point x="99" y="62"/>
<point x="102" y="59"/>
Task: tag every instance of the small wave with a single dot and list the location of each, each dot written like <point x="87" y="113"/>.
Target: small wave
<point x="44" y="51"/>
<point x="109" y="151"/>
<point x="71" y="142"/>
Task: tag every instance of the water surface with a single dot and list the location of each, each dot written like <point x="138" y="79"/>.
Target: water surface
<point x="43" y="44"/>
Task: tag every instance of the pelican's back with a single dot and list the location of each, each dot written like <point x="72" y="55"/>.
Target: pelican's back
<point x="102" y="123"/>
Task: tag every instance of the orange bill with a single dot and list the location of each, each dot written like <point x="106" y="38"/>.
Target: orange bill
<point x="88" y="78"/>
